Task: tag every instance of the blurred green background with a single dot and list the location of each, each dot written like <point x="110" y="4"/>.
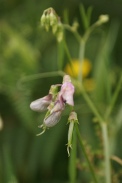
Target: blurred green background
<point x="26" y="49"/>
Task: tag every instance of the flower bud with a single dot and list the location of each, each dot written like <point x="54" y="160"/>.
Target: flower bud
<point x="47" y="19"/>
<point x="54" y="28"/>
<point x="103" y="18"/>
<point x="41" y="104"/>
<point x="52" y="119"/>
<point x="53" y="19"/>
<point x="47" y="22"/>
<point x="58" y="106"/>
<point x="43" y="20"/>
<point x="75" y="26"/>
<point x="54" y="113"/>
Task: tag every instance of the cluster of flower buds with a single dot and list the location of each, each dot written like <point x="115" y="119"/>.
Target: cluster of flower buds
<point x="50" y="19"/>
<point x="54" y="103"/>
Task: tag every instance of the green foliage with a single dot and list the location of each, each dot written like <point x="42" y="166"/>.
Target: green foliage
<point x="26" y="50"/>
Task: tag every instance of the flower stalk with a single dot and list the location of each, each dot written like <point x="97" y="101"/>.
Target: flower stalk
<point x="106" y="153"/>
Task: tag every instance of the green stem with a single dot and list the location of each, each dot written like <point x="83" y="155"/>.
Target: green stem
<point x="86" y="156"/>
<point x="104" y="134"/>
<point x="38" y="76"/>
<point x="75" y="32"/>
<point x="91" y="104"/>
<point x="67" y="52"/>
<point x="60" y="55"/>
<point x="69" y="56"/>
<point x="81" y="58"/>
<point x="115" y="95"/>
<point x="72" y="160"/>
<point x="106" y="153"/>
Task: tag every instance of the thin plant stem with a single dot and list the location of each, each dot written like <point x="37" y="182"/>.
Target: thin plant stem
<point x="60" y="55"/>
<point x="104" y="134"/>
<point x="38" y="76"/>
<point x="68" y="55"/>
<point x="106" y="152"/>
<point x="67" y="52"/>
<point x="75" y="32"/>
<point x="85" y="155"/>
<point x="81" y="57"/>
<point x="115" y="95"/>
<point x="72" y="161"/>
<point x="91" y="105"/>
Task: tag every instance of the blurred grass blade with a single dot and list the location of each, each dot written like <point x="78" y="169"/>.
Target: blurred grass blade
<point x="103" y="91"/>
<point x="60" y="55"/>
<point x="9" y="175"/>
<point x="85" y="16"/>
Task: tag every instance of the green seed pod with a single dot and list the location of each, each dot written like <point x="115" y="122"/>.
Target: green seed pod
<point x="71" y="120"/>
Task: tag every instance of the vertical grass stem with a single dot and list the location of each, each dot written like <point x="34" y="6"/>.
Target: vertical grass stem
<point x="106" y="153"/>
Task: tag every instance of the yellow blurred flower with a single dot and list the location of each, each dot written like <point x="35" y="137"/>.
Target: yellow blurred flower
<point x="74" y="69"/>
<point x="89" y="84"/>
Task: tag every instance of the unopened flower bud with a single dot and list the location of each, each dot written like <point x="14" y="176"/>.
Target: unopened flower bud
<point x="52" y="119"/>
<point x="47" y="19"/>
<point x="75" y="26"/>
<point x="54" y="114"/>
<point x="58" y="106"/>
<point x="41" y="104"/>
<point x="103" y="18"/>
<point x="54" y="28"/>
<point x="71" y="120"/>
<point x="43" y="20"/>
<point x="53" y="19"/>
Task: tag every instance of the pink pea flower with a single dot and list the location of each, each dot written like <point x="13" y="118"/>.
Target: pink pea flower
<point x="41" y="104"/>
<point x="67" y="90"/>
<point x="55" y="113"/>
<point x="54" y="103"/>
